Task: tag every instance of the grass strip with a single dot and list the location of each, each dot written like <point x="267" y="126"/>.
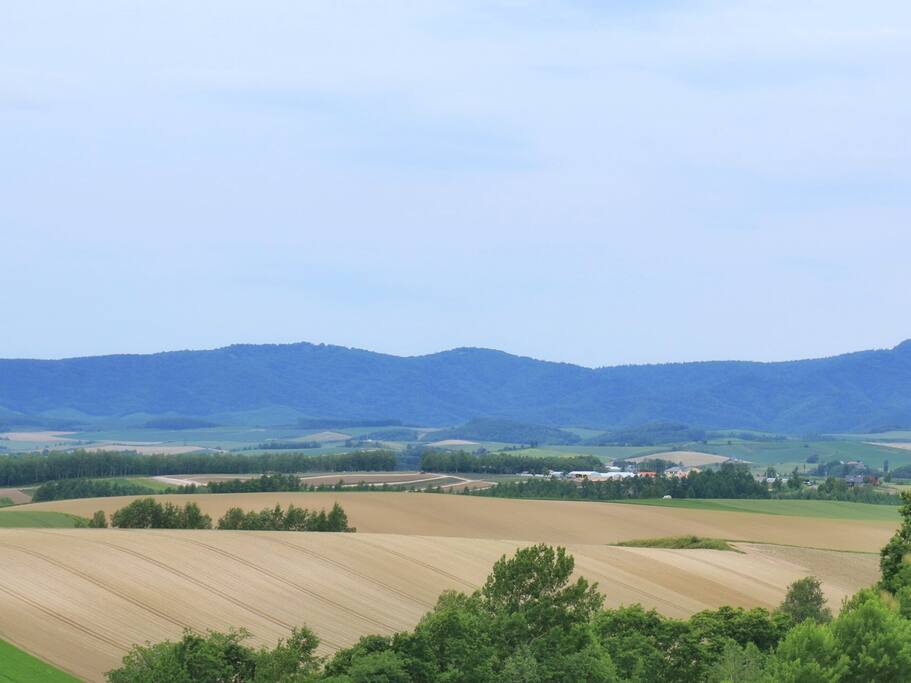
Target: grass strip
<point x="17" y="666"/>
<point x="680" y="543"/>
<point x="36" y="519"/>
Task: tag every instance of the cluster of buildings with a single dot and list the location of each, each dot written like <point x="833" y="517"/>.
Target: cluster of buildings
<point x="613" y="473"/>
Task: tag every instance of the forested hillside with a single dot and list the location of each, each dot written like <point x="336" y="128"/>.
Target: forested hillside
<point x="854" y="392"/>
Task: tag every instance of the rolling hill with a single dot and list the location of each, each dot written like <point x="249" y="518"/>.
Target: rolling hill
<point x="862" y="391"/>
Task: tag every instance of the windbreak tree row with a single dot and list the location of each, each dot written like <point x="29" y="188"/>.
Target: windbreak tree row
<point x="729" y="481"/>
<point x="504" y="463"/>
<point x="67" y="489"/>
<point x="147" y="513"/>
<point x="17" y="470"/>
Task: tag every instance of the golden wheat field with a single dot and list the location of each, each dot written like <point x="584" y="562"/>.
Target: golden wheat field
<point x="79" y="598"/>
<point x="531" y="520"/>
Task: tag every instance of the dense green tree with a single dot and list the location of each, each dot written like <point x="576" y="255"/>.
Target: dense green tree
<point x="16" y="470"/>
<point x="804" y="600"/>
<point x="895" y="557"/>
<point x="736" y="664"/>
<point x="87" y="488"/>
<point x="292" y="660"/>
<point x="728" y="481"/>
<point x="876" y="641"/>
<point x="211" y="658"/>
<point x="294" y="519"/>
<point x="808" y="654"/>
<point x="504" y="463"/>
<point x="98" y="520"/>
<point x="147" y="513"/>
<point x="646" y="647"/>
<point x="376" y="667"/>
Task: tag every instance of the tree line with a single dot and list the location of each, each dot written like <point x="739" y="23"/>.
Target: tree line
<point x="67" y="489"/>
<point x="286" y="445"/>
<point x="148" y="513"/>
<point x="731" y="480"/>
<point x="18" y="470"/>
<point x="294" y="519"/>
<point x="264" y="483"/>
<point x="832" y="489"/>
<point x="531" y="622"/>
<point x="504" y="463"/>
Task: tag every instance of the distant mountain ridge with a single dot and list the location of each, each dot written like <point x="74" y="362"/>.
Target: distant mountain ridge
<point x="867" y="390"/>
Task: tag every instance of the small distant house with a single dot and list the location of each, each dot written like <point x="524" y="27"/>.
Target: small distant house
<point x="591" y="475"/>
<point x="679" y="472"/>
<point x="583" y="474"/>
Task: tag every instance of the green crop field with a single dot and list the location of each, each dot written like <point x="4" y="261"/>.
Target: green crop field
<point x="35" y="519"/>
<point x="795" y="451"/>
<point x="608" y="453"/>
<point x="17" y="666"/>
<point x="903" y="435"/>
<point x="829" y="509"/>
<point x="148" y="482"/>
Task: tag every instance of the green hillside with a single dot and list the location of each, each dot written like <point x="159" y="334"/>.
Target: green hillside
<point x="248" y="384"/>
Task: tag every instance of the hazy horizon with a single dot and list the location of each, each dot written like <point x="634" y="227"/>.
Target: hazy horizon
<point x="455" y="348"/>
<point x="594" y="183"/>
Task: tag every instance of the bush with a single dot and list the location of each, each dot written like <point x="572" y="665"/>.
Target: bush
<point x="805" y="600"/>
<point x="87" y="488"/>
<point x="295" y="519"/>
<point x="147" y="513"/>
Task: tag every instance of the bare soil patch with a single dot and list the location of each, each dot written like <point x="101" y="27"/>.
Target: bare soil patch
<point x="36" y="436"/>
<point x="903" y="446"/>
<point x="15" y="495"/>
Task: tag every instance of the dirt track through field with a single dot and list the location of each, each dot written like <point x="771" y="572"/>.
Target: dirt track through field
<point x="531" y="520"/>
<point x="79" y="597"/>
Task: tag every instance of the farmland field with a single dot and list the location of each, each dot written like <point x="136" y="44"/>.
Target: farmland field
<point x="795" y="451"/>
<point x="36" y="519"/>
<point x="829" y="509"/>
<point x="17" y="496"/>
<point x="99" y="591"/>
<point x="79" y="598"/>
<point x="548" y="521"/>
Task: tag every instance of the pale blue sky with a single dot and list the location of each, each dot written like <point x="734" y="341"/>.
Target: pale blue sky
<point x="594" y="182"/>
